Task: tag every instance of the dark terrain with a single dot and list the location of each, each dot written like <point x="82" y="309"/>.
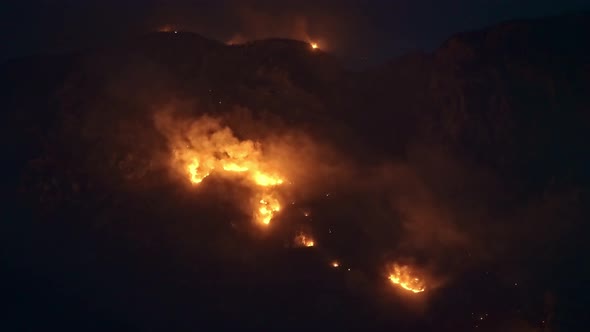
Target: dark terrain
<point x="96" y="239"/>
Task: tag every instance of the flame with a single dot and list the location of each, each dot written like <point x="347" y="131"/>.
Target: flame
<point x="269" y="205"/>
<point x="314" y="45"/>
<point x="303" y="240"/>
<point x="267" y="180"/>
<point x="403" y="276"/>
<point x="198" y="173"/>
<point x="204" y="147"/>
<point x="232" y="167"/>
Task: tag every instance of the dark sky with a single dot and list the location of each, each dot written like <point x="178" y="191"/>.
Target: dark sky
<point x="376" y="29"/>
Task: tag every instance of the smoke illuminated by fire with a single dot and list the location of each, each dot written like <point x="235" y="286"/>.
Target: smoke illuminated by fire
<point x="268" y="208"/>
<point x="198" y="173"/>
<point x="303" y="240"/>
<point x="204" y="147"/>
<point x="403" y="276"/>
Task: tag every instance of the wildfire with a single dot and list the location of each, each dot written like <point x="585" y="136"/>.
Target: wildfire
<point x="267" y="180"/>
<point x="198" y="173"/>
<point x="268" y="207"/>
<point x="403" y="276"/>
<point x="314" y="45"/>
<point x="303" y="240"/>
<point x="232" y="167"/>
<point x="205" y="147"/>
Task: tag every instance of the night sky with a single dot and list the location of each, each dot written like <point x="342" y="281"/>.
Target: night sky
<point x="370" y="30"/>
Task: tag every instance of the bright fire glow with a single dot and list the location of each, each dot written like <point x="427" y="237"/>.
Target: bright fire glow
<point x="335" y="264"/>
<point x="403" y="276"/>
<point x="268" y="206"/>
<point x="267" y="180"/>
<point x="198" y="173"/>
<point x="232" y="167"/>
<point x="205" y="147"/>
<point x="314" y="45"/>
<point x="303" y="240"/>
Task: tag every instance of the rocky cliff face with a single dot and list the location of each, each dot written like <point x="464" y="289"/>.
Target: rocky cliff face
<point x="514" y="97"/>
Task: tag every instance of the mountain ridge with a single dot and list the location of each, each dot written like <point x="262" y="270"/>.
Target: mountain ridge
<point x="469" y="158"/>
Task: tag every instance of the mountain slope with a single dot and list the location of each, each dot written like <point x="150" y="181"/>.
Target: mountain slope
<point x="470" y="159"/>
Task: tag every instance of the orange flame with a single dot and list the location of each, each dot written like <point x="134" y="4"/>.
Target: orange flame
<point x="335" y="264"/>
<point x="266" y="180"/>
<point x="303" y="240"/>
<point x="403" y="276"/>
<point x="204" y="147"/>
<point x="198" y="173"/>
<point x="314" y="45"/>
<point x="268" y="207"/>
